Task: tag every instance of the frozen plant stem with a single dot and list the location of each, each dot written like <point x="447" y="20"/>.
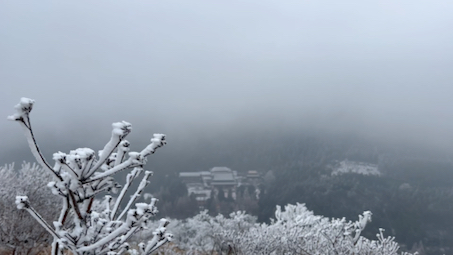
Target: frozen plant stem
<point x="140" y="188"/>
<point x="81" y="226"/>
<point x="129" y="179"/>
<point x="22" y="202"/>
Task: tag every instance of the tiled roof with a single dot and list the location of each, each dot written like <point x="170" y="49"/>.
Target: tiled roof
<point x="220" y="169"/>
<point x="189" y="174"/>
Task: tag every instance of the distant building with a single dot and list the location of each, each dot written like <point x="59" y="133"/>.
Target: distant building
<point x="199" y="191"/>
<point x="254" y="178"/>
<point x="205" y="184"/>
<point x="223" y="177"/>
<point x="347" y="166"/>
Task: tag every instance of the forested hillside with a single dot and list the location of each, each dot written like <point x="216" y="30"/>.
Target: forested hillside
<point x="412" y="199"/>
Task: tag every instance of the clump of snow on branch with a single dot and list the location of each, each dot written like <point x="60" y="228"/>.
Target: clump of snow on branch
<point x="23" y="108"/>
<point x="80" y="176"/>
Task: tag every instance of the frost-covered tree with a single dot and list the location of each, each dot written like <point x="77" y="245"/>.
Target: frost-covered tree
<point x="295" y="230"/>
<point x="79" y="177"/>
<point x="201" y="234"/>
<point x="19" y="233"/>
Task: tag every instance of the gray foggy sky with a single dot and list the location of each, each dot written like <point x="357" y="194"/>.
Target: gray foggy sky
<point x="379" y="68"/>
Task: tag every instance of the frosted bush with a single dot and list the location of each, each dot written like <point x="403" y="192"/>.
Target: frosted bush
<point x="19" y="233"/>
<point x="295" y="230"/>
<point x="80" y="177"/>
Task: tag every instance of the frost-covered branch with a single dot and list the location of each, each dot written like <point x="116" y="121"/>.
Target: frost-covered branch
<point x="22" y="202"/>
<point x="85" y="226"/>
<point x="120" y="131"/>
<point x="22" y="115"/>
<point x="129" y="179"/>
<point x="137" y="193"/>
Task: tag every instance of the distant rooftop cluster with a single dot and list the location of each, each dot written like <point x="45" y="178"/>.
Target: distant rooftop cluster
<point x="346" y="166"/>
<point x="205" y="184"/>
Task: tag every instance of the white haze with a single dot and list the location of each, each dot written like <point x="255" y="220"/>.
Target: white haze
<point x="381" y="69"/>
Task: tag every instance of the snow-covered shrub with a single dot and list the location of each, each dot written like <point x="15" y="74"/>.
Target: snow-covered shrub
<point x="79" y="177"/>
<point x="295" y="230"/>
<point x="19" y="233"/>
<point x="200" y="234"/>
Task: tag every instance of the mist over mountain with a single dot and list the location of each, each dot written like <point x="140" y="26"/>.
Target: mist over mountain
<point x="377" y="70"/>
<point x="290" y="87"/>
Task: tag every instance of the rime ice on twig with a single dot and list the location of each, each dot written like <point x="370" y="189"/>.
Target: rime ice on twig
<point x="22" y="116"/>
<point x="80" y="177"/>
